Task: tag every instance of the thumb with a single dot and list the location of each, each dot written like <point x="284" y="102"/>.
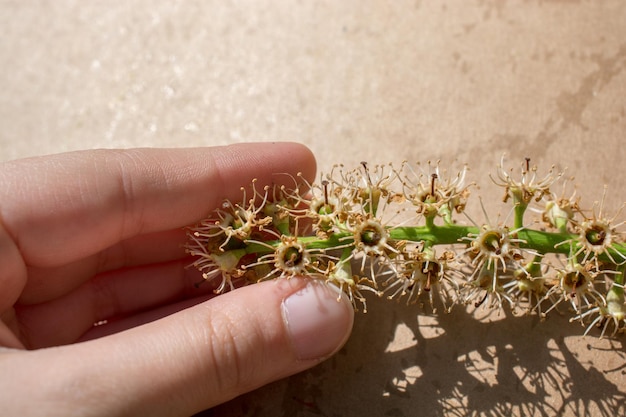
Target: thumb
<point x="212" y="352"/>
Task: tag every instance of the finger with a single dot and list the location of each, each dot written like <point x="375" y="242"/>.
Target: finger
<point x="12" y="270"/>
<point x="65" y="207"/>
<point x="157" y="247"/>
<point x="114" y="297"/>
<point x="143" y="317"/>
<point x="199" y="357"/>
<point x="60" y="209"/>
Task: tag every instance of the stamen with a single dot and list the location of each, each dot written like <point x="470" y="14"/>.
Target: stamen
<point x="428" y="279"/>
<point x="367" y="172"/>
<point x="479" y="303"/>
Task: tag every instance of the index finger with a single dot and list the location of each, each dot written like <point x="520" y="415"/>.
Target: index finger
<point x="61" y="208"/>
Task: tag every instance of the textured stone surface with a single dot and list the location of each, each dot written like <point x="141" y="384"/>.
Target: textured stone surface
<point x="356" y="80"/>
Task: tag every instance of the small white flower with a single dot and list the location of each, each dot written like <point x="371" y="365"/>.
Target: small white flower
<point x="574" y="285"/>
<point x="434" y="193"/>
<point x="421" y="272"/>
<point x="340" y="275"/>
<point x="610" y="311"/>
<point x="528" y="186"/>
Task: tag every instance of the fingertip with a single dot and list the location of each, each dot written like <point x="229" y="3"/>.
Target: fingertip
<point x="318" y="319"/>
<point x="304" y="157"/>
<point x="268" y="157"/>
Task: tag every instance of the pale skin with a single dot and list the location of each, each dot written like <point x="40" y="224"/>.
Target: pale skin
<point x="96" y="236"/>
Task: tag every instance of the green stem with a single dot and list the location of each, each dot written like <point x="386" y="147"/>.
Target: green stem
<point x="446" y="214"/>
<point x="430" y="222"/>
<point x="619" y="280"/>
<point x="534" y="267"/>
<point x="518" y="211"/>
<point x="540" y="241"/>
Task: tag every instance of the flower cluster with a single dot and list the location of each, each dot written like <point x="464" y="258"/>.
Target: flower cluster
<point x="401" y="233"/>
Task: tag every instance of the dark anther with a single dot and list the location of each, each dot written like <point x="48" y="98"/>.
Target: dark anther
<point x="433" y="178"/>
<point x="325" y="185"/>
<point x="527" y="159"/>
<point x="479" y="303"/>
<point x="367" y="172"/>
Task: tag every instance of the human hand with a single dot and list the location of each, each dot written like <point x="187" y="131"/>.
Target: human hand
<point x="96" y="236"/>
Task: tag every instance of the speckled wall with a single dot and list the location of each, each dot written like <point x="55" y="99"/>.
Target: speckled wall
<point x="357" y="81"/>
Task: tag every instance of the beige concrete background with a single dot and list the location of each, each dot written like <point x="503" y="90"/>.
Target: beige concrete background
<point x="356" y="80"/>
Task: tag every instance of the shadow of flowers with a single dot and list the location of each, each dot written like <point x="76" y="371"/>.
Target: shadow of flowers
<point x="402" y="361"/>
